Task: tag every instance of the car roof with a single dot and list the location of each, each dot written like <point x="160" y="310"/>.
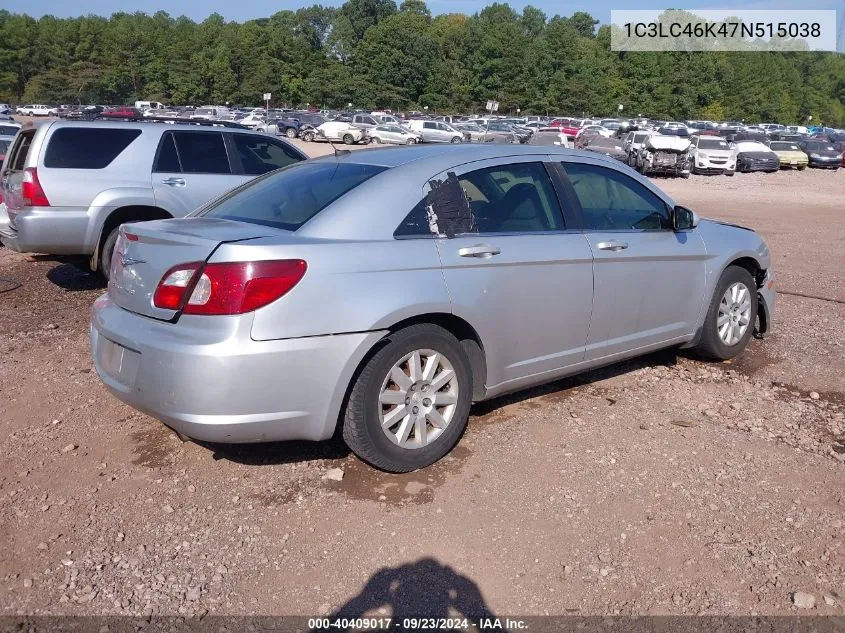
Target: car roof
<point x="445" y="154"/>
<point x="144" y="123"/>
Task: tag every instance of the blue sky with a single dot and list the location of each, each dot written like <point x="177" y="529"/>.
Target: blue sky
<point x="241" y="10"/>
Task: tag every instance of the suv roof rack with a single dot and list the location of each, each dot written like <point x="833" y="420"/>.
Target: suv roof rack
<point x="171" y="119"/>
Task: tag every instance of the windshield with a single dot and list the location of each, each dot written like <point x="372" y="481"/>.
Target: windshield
<point x="712" y="143"/>
<point x="820" y="147"/>
<point x="751" y="147"/>
<point x="785" y="147"/>
<point x="288" y="198"/>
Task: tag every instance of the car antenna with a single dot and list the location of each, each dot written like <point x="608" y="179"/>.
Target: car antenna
<point x="339" y="152"/>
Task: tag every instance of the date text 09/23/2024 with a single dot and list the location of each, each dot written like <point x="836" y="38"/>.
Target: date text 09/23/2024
<point x="387" y="623"/>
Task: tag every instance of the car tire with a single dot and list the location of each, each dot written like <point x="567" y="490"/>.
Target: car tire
<point x="729" y="173"/>
<point x="106" y="251"/>
<point x="348" y="140"/>
<point x="456" y="139"/>
<point x="409" y="142"/>
<point x="715" y="342"/>
<point x="365" y="411"/>
<point x="802" y="167"/>
<point x="308" y="137"/>
<point x="290" y="132"/>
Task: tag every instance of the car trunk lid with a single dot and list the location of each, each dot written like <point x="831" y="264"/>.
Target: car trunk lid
<point x="145" y="251"/>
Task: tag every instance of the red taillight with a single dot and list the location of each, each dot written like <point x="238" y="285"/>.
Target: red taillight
<point x="227" y="288"/>
<point x="31" y="192"/>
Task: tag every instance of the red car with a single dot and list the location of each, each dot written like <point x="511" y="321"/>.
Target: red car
<point x="121" y="112"/>
<point x="569" y="127"/>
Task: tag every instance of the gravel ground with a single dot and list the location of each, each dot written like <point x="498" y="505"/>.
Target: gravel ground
<point x="663" y="485"/>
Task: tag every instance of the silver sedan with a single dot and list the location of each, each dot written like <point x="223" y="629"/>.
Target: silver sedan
<point x="393" y="134"/>
<point x="386" y="291"/>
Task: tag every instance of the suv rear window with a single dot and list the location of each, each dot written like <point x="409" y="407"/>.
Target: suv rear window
<point x="287" y="199"/>
<point x="87" y="147"/>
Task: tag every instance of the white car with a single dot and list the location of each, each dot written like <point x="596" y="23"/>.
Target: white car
<point x="253" y="120"/>
<point x="711" y="155"/>
<point x="599" y="128"/>
<point x="38" y="110"/>
<point x="393" y="134"/>
<point x="340" y="131"/>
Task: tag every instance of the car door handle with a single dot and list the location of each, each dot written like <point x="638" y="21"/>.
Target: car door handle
<point x="612" y="245"/>
<point x="479" y="250"/>
<point x="174" y="182"/>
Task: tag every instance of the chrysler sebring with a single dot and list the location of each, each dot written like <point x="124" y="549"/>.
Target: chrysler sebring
<point x="387" y="290"/>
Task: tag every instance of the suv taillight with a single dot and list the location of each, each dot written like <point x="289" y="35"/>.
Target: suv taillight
<point x="227" y="288"/>
<point x="31" y="191"/>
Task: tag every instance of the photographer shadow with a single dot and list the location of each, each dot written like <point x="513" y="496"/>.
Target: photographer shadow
<point x="423" y="589"/>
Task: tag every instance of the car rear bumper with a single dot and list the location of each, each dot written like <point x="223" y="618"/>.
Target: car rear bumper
<point x="56" y="231"/>
<point x="207" y="379"/>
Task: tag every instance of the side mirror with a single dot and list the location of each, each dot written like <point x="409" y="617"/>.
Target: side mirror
<point x="684" y="219"/>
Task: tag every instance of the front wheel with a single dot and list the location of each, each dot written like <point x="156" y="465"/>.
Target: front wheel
<point x="410" y="403"/>
<point x="308" y="136"/>
<point x="348" y="140"/>
<point x="456" y="139"/>
<point x="291" y="132"/>
<point x="731" y="316"/>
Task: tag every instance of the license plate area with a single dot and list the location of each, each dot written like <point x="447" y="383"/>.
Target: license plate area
<point x="118" y="362"/>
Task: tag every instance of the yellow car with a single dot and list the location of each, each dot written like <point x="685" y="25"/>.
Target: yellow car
<point x="790" y="154"/>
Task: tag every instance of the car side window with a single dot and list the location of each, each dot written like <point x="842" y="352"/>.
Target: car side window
<point x="430" y="126"/>
<point x="167" y="159"/>
<point x="262" y="154"/>
<point x="515" y="198"/>
<point x="202" y="152"/>
<point x="612" y="201"/>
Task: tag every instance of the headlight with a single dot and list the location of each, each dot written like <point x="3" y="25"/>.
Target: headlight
<point x="817" y="156"/>
<point x="703" y="155"/>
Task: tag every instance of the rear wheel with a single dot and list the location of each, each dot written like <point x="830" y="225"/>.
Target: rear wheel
<point x="410" y="403"/>
<point x="731" y="316"/>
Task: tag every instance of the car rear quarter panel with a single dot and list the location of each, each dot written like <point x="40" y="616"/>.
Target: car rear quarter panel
<point x="349" y="286"/>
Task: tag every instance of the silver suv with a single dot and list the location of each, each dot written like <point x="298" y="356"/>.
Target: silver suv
<point x="67" y="186"/>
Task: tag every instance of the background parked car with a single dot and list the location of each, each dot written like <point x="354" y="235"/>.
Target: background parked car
<point x="755" y="156"/>
<point x="632" y="142"/>
<point x="393" y="134"/>
<point x="38" y="110"/>
<point x="286" y="126"/>
<point x="790" y="154"/>
<point x="339" y="131"/>
<point x="121" y="112"/>
<point x="611" y="147"/>
<point x="436" y="131"/>
<point x="822" y="154"/>
<point x="664" y="154"/>
<point x="711" y="155"/>
<point x="69" y="185"/>
<point x="550" y="136"/>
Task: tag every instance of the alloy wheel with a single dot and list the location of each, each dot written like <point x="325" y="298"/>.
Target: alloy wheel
<point x="418" y="398"/>
<point x="734" y="313"/>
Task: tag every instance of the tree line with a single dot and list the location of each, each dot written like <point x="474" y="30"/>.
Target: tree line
<point x="373" y="53"/>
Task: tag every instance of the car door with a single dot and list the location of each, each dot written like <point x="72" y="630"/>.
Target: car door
<point x="429" y="132"/>
<point x="515" y="271"/>
<point x="191" y="168"/>
<point x="649" y="279"/>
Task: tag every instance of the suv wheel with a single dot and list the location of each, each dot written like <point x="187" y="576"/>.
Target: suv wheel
<point x="106" y="251"/>
<point x="290" y="132"/>
<point x="410" y="403"/>
<point x="731" y="316"/>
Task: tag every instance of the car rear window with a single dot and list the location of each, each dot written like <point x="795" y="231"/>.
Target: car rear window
<point x="87" y="147"/>
<point x="8" y="130"/>
<point x="287" y="199"/>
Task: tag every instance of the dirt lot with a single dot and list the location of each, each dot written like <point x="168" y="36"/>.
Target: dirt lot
<point x="664" y="485"/>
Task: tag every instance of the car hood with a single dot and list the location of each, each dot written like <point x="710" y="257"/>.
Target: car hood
<point x="716" y="153"/>
<point x="667" y="143"/>
<point x="790" y="154"/>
